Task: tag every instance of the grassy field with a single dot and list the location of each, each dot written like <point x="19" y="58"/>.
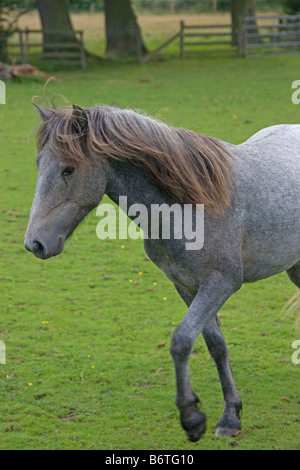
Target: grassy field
<point x="88" y="363"/>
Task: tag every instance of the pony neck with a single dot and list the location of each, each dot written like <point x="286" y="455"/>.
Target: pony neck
<point x="127" y="179"/>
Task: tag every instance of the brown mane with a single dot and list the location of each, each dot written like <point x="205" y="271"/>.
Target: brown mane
<point x="192" y="168"/>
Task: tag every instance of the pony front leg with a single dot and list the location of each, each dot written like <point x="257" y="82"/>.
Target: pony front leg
<point x="229" y="424"/>
<point x="212" y="294"/>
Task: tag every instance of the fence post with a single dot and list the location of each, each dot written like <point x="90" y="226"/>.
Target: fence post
<point x="241" y="37"/>
<point x="182" y="55"/>
<point x="27" y="40"/>
<point x="139" y="47"/>
<point x="274" y="40"/>
<point x="82" y="51"/>
<point x="299" y="32"/>
<point x="22" y="49"/>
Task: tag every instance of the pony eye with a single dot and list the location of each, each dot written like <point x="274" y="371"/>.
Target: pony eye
<point x="67" y="171"/>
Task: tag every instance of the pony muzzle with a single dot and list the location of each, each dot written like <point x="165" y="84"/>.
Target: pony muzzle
<point x="41" y="249"/>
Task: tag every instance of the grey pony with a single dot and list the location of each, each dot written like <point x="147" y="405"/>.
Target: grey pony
<point x="256" y="237"/>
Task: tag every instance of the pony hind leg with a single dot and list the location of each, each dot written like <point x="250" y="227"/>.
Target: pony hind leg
<point x="294" y="274"/>
<point x="212" y="294"/>
<point x="294" y="302"/>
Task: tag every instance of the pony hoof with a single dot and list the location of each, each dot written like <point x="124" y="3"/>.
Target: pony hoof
<point x="228" y="432"/>
<point x="195" y="427"/>
<point x="229" y="426"/>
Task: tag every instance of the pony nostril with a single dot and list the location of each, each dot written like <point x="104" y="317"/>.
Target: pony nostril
<point x="38" y="248"/>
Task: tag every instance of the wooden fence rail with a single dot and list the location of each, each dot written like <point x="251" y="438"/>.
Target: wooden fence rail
<point x="259" y="36"/>
<point x="152" y="54"/>
<point x="60" y="51"/>
<point x="205" y="36"/>
<point x="191" y="36"/>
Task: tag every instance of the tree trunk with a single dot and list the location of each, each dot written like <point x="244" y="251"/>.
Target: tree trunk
<point x="3" y="36"/>
<point x="239" y="9"/>
<point x="55" y="16"/>
<point x="123" y="34"/>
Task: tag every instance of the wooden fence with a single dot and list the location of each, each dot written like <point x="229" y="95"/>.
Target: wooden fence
<point x="145" y="58"/>
<point x="265" y="36"/>
<point x="259" y="36"/>
<point x="197" y="38"/>
<point x="29" y="43"/>
<point x="204" y="38"/>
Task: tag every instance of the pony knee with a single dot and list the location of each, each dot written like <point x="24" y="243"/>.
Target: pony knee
<point x="181" y="346"/>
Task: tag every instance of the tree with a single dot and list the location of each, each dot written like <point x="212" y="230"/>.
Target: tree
<point x="8" y="21"/>
<point x="239" y="9"/>
<point x="55" y="17"/>
<point x="123" y="35"/>
<point x="3" y="36"/>
<point x="291" y="7"/>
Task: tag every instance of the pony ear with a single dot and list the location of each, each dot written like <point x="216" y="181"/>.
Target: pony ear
<point x="80" y="122"/>
<point x="44" y="113"/>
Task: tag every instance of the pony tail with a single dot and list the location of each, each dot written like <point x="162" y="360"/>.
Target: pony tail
<point x="292" y="306"/>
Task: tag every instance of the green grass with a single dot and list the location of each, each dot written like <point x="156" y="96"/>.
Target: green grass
<point x="94" y="345"/>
